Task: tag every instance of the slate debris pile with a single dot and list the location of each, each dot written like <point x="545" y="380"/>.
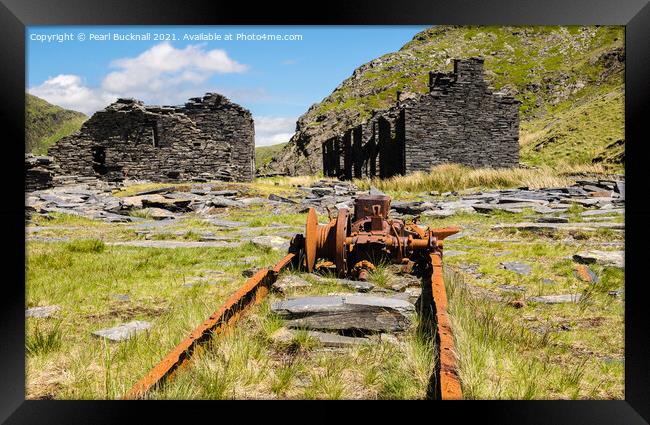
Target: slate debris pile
<point x="39" y="172"/>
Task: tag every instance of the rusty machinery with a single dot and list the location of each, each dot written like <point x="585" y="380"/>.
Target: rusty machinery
<point x="354" y="243"/>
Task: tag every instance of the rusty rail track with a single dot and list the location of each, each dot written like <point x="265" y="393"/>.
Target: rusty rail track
<point x="257" y="287"/>
<point x="252" y="292"/>
<point x="447" y="368"/>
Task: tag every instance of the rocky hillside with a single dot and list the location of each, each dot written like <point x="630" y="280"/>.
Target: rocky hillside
<point x="569" y="79"/>
<point x="46" y="123"/>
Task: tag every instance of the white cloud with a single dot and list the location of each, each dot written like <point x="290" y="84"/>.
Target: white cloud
<point x="273" y="130"/>
<point x="162" y="74"/>
<point x="70" y="92"/>
<point x="164" y="67"/>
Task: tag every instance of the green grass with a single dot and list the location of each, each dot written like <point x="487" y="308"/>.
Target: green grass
<point x="46" y="123"/>
<point x="535" y="351"/>
<point x="263" y="154"/>
<point x="84" y="283"/>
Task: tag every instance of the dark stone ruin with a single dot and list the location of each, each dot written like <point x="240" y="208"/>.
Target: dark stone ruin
<point x="461" y="120"/>
<point x="208" y="138"/>
<point x="39" y="172"/>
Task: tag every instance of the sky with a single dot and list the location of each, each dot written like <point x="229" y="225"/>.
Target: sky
<point x="275" y="72"/>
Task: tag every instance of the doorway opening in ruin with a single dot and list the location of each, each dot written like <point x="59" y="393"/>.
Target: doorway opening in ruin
<point x="99" y="160"/>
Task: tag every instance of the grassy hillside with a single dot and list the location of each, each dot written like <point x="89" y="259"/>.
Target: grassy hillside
<point x="46" y="123"/>
<point x="263" y="154"/>
<point x="569" y="80"/>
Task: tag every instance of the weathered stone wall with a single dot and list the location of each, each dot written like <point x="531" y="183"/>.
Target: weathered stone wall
<point x="208" y="138"/>
<point x="461" y="120"/>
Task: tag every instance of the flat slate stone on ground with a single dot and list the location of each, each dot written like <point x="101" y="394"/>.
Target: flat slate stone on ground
<point x="346" y="312"/>
<point x="224" y="223"/>
<point x="357" y="285"/>
<point x="605" y="258"/>
<point x="560" y="226"/>
<point x="453" y="253"/>
<point x="512" y="288"/>
<point x="170" y="244"/>
<point x="556" y="299"/>
<point x="42" y="312"/>
<point x="326" y="339"/>
<point x="289" y="282"/>
<point x="517" y="267"/>
<point x="123" y="332"/>
<point x="276" y="243"/>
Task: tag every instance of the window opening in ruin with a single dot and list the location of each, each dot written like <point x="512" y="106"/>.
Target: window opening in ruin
<point x="156" y="141"/>
<point x="197" y="144"/>
<point x="99" y="160"/>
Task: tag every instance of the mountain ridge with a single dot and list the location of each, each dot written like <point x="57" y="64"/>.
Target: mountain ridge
<point x="551" y="70"/>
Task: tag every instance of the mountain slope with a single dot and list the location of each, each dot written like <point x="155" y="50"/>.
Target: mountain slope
<point x="46" y="123"/>
<point x="561" y="75"/>
<point x="264" y="154"/>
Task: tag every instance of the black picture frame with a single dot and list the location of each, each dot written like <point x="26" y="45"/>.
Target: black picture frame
<point x="15" y="15"/>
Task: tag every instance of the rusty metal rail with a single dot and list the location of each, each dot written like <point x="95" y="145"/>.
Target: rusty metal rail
<point x="352" y="243"/>
<point x="252" y="292"/>
<point x="447" y="367"/>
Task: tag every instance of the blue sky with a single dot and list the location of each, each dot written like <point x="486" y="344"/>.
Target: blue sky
<point x="277" y="80"/>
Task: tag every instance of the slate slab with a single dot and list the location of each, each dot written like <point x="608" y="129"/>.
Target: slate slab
<point x="276" y="243"/>
<point x="224" y="223"/>
<point x="123" y="332"/>
<point x="326" y="339"/>
<point x="288" y="282"/>
<point x="605" y="258"/>
<point x="171" y="244"/>
<point x="556" y="299"/>
<point x="517" y="267"/>
<point x="42" y="312"/>
<point x="346" y="312"/>
<point x="453" y="253"/>
<point x="357" y="285"/>
<point x="222" y="202"/>
<point x="512" y="288"/>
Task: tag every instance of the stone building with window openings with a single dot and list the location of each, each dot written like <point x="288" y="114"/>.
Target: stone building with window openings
<point x="460" y="120"/>
<point x="208" y="138"/>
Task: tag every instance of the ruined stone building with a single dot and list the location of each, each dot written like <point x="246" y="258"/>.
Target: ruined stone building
<point x="460" y="120"/>
<point x="207" y="138"/>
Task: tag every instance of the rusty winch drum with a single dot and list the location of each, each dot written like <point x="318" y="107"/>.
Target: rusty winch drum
<point x="356" y="243"/>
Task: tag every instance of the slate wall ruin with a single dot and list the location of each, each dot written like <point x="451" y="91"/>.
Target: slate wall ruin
<point x="461" y="120"/>
<point x="207" y="138"/>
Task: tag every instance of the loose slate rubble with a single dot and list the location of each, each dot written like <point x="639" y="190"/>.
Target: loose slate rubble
<point x="123" y="332"/>
<point x="605" y="258"/>
<point x="42" y="312"/>
<point x="346" y="313"/>
<point x="556" y="299"/>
